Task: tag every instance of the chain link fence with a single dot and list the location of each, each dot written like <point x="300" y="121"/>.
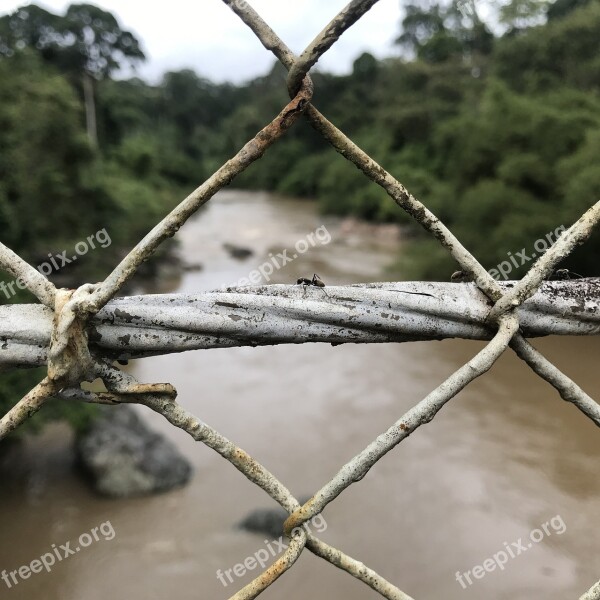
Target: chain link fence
<point x="58" y="333"/>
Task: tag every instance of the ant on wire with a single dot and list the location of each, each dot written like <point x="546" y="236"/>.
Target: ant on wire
<point x="316" y="281"/>
<point x="564" y="275"/>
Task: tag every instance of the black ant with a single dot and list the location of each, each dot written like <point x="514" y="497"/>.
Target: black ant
<point x="316" y="281"/>
<point x="564" y="275"/>
<point x="461" y="277"/>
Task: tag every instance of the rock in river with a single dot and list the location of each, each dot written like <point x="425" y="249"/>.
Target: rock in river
<point x="125" y="458"/>
<point x="238" y="252"/>
<point x="267" y="521"/>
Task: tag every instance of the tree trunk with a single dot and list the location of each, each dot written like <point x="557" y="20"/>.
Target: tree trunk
<point x="90" y="110"/>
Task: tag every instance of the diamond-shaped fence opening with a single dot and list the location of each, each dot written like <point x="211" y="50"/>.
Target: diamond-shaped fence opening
<point x="56" y="332"/>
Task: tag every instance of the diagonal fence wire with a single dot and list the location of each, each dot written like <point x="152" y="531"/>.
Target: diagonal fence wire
<point x="419" y="211"/>
<point x="72" y="359"/>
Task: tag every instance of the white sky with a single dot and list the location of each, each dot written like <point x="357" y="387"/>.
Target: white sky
<point x="207" y="36"/>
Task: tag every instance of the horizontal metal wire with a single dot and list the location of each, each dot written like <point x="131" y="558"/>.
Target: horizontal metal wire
<point x="141" y="326"/>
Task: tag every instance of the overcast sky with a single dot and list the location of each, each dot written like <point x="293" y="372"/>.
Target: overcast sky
<point x="207" y="36"/>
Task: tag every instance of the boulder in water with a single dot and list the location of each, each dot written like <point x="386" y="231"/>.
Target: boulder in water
<point x="124" y="458"/>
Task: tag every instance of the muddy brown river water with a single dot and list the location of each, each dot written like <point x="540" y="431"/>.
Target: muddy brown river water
<point x="506" y="469"/>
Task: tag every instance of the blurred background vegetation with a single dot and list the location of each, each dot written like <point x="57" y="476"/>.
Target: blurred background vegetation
<point x="495" y="126"/>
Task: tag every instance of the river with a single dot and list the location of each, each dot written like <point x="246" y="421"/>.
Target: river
<point x="503" y="460"/>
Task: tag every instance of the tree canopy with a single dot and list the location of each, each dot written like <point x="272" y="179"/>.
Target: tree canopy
<point x="87" y="43"/>
<point x="85" y="39"/>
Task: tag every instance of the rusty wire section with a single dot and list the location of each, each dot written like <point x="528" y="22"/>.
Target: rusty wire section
<point x="71" y="362"/>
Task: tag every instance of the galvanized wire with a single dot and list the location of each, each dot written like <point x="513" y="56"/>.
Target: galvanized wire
<point x="593" y="593"/>
<point x="62" y="328"/>
<point x="141" y="326"/>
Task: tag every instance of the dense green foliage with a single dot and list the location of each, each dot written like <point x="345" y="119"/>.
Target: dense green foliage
<point x="499" y="134"/>
<point x="55" y="190"/>
<point x="495" y="134"/>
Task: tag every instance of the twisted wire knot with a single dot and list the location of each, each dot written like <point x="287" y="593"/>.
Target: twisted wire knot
<point x="69" y="358"/>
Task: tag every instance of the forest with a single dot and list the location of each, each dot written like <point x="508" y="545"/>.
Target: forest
<point x="494" y="125"/>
